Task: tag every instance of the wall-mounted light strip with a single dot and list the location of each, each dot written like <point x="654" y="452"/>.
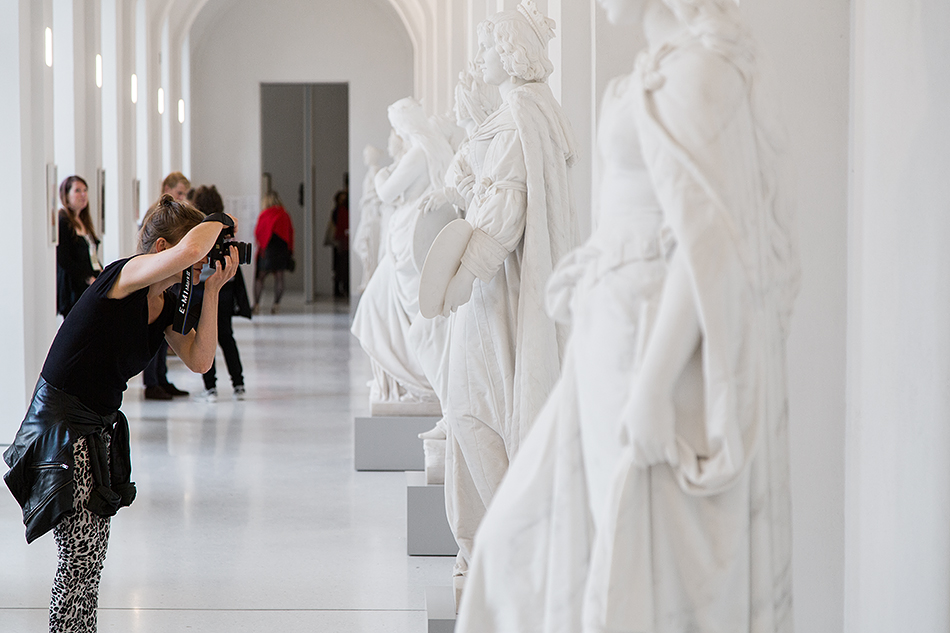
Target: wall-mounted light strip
<point x="181" y="110"/>
<point x="99" y="70"/>
<point x="135" y="88"/>
<point x="161" y="101"/>
<point x="49" y="47"/>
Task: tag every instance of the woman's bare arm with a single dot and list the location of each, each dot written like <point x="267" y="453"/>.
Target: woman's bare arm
<point x="145" y="270"/>
<point x="196" y="349"/>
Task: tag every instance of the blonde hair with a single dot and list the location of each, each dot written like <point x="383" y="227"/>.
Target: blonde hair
<point x="174" y="179"/>
<point x="169" y="219"/>
<point x="271" y="199"/>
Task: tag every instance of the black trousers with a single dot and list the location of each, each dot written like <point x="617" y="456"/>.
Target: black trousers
<point x="232" y="358"/>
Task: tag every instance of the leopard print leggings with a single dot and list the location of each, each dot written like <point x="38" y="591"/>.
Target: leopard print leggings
<point x="81" y="540"/>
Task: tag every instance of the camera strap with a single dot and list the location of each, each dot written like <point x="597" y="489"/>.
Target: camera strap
<point x="184" y="303"/>
<point x="223" y="218"/>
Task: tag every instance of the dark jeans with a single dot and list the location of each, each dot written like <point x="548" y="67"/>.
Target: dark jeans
<point x="341" y="273"/>
<point x="232" y="358"/>
<point x="156" y="372"/>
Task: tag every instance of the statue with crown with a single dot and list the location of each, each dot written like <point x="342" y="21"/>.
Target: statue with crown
<point x="485" y="274"/>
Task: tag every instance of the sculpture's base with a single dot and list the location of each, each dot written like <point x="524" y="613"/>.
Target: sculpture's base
<point x="434" y="451"/>
<point x="405" y="409"/>
<point x="390" y="443"/>
<point x="427" y="529"/>
<point x="440" y="609"/>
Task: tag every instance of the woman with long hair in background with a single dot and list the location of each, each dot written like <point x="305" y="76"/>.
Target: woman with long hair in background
<point x="77" y="253"/>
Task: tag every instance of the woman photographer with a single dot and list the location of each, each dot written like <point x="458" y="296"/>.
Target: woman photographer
<point x="69" y="464"/>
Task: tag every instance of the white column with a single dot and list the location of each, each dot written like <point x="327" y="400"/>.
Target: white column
<point x="170" y="102"/>
<point x="64" y="87"/>
<point x="572" y="53"/>
<point x="88" y="98"/>
<point x="27" y="313"/>
<point x="118" y="131"/>
<point x="111" y="106"/>
<point x="145" y="105"/>
<point x="153" y="167"/>
<point x="898" y="434"/>
<point x="185" y="127"/>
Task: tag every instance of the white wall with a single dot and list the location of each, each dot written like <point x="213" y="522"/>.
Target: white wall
<point x="238" y="46"/>
<point x="898" y="528"/>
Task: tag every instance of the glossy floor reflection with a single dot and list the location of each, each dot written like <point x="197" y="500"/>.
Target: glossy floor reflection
<point x="249" y="515"/>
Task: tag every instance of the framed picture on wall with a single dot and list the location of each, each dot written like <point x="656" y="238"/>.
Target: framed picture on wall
<point x="101" y="199"/>
<point x="136" y="183"/>
<point x="52" y="203"/>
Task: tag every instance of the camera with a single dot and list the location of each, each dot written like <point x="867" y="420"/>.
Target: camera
<point x="186" y="314"/>
<point x="223" y="243"/>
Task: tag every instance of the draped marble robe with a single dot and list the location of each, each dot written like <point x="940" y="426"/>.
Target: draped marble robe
<point x="367" y="239"/>
<point x="503" y="353"/>
<point x="390" y="302"/>
<point x="580" y="538"/>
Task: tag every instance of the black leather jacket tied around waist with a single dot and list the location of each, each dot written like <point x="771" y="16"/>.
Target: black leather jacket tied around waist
<point x="41" y="460"/>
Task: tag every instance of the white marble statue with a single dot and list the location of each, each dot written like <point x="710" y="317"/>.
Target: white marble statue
<point x="396" y="148"/>
<point x="391" y="300"/>
<point x="366" y="240"/>
<point x="475" y="101"/>
<point x="503" y="352"/>
<point x="652" y="495"/>
<point x="450" y="129"/>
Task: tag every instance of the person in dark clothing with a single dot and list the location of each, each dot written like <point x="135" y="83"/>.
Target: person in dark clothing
<point x="232" y="300"/>
<point x="69" y="463"/>
<point x="155" y="375"/>
<point x="77" y="258"/>
<point x="340" y="222"/>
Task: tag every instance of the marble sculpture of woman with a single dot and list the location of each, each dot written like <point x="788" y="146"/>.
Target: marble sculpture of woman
<point x="503" y="352"/>
<point x="652" y="495"/>
<point x="366" y="239"/>
<point x="391" y="300"/>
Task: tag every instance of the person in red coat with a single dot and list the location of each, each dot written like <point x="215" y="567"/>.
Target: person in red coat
<point x="275" y="248"/>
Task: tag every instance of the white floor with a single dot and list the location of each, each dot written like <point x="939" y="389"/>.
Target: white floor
<point x="249" y="515"/>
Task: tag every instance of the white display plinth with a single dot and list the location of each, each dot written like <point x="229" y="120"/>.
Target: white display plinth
<point x="427" y="529"/>
<point x="390" y="443"/>
<point x="440" y="609"/>
<point x="416" y="409"/>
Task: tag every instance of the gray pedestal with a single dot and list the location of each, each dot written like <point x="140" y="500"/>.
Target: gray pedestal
<point x="427" y="529"/>
<point x="390" y="443"/>
<point x="440" y="609"/>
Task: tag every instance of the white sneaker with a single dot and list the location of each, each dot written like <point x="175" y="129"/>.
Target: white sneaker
<point x="209" y="395"/>
<point x="239" y="392"/>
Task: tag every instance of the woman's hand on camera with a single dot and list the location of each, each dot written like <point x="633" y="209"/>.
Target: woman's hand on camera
<point x="222" y="274"/>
